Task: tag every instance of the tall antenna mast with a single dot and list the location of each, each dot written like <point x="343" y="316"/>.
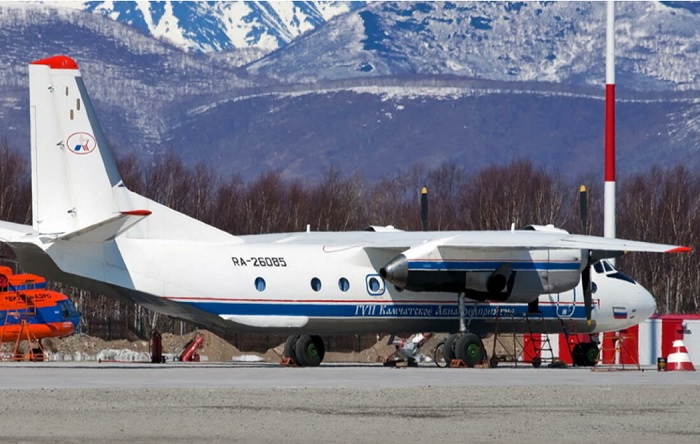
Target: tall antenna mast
<point x="609" y="198"/>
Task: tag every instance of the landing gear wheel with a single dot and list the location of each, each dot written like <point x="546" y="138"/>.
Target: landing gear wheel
<point x="536" y="362"/>
<point x="320" y="346"/>
<point x="448" y="350"/>
<point x="289" y="348"/>
<point x="493" y="361"/>
<point x="585" y="354"/>
<point x="590" y="354"/>
<point x="470" y="349"/>
<point x="439" y="355"/>
<point x="577" y="355"/>
<point x="309" y="350"/>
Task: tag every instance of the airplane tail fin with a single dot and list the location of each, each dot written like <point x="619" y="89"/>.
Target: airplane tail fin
<point x="77" y="192"/>
<point x="73" y="172"/>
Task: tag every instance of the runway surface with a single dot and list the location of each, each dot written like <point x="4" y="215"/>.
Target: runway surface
<point x="263" y="403"/>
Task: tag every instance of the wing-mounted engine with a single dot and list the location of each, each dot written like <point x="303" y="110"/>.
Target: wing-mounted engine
<point x="502" y="274"/>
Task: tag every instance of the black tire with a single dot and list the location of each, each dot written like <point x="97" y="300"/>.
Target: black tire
<point x="493" y="361"/>
<point x="308" y="352"/>
<point x="439" y="356"/>
<point x="289" y="348"/>
<point x="470" y="349"/>
<point x="320" y="346"/>
<point x="448" y="349"/>
<point x="536" y="362"/>
<point x="590" y="354"/>
<point x="585" y="354"/>
<point x="577" y="355"/>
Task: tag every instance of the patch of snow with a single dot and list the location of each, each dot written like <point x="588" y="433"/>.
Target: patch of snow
<point x="247" y="358"/>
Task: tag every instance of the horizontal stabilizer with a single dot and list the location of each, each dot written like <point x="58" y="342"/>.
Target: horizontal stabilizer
<point x="108" y="229"/>
<point x="10" y="231"/>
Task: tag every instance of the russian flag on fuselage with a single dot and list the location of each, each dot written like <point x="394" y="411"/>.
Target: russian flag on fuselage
<point x="619" y="313"/>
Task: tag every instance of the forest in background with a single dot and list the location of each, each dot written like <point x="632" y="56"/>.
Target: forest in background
<point x="658" y="205"/>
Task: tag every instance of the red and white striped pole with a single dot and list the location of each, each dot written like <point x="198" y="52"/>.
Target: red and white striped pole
<point x="609" y="198"/>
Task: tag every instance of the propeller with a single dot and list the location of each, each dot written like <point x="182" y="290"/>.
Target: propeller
<point x="586" y="273"/>
<point x="583" y="208"/>
<point x="424" y="208"/>
<point x="587" y="291"/>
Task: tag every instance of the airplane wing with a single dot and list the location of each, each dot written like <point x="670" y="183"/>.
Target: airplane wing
<point x="519" y="240"/>
<point x="612" y="244"/>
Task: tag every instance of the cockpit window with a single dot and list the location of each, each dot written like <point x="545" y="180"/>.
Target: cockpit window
<point x="622" y="277"/>
<point x="611" y="272"/>
<point x="65" y="310"/>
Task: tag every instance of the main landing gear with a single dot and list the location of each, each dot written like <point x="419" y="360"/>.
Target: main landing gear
<point x="465" y="346"/>
<point x="304" y="350"/>
<point x="585" y="354"/>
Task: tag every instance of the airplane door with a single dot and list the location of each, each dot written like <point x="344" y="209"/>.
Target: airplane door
<point x="565" y="307"/>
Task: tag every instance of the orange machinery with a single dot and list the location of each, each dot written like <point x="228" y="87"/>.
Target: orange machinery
<point x="29" y="311"/>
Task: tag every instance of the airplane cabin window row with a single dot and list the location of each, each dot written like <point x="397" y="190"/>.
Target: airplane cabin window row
<point x="343" y="284"/>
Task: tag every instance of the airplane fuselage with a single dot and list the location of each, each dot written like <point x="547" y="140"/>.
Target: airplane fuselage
<point x="326" y="283"/>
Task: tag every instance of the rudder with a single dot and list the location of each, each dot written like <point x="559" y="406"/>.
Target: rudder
<point x="74" y="176"/>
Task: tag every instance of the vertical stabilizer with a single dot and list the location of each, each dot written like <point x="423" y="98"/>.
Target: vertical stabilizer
<point x="77" y="193"/>
<point x="73" y="173"/>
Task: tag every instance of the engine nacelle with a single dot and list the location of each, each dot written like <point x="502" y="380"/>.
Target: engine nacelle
<point x="506" y="275"/>
<point x="548" y="228"/>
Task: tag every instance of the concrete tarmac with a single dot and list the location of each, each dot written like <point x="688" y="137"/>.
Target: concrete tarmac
<point x="265" y="403"/>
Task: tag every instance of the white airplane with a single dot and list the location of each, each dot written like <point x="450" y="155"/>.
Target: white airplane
<point x="90" y="231"/>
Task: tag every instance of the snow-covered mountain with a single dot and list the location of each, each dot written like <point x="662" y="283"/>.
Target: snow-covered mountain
<point x="560" y="42"/>
<point x="376" y="89"/>
<point x="657" y="45"/>
<point x="220" y="25"/>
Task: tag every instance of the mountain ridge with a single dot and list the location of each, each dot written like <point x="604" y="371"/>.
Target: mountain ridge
<point x="152" y="97"/>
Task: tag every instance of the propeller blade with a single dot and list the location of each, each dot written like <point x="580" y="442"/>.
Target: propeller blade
<point x="583" y="208"/>
<point x="587" y="293"/>
<point x="424" y="208"/>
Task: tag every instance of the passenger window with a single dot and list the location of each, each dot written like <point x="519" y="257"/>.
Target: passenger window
<point x="375" y="285"/>
<point x="260" y="284"/>
<point x="316" y="284"/>
<point x="343" y="284"/>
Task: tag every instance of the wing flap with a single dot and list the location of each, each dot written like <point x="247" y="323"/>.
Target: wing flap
<point x="10" y="231"/>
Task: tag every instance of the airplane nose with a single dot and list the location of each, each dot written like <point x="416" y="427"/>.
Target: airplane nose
<point x="646" y="304"/>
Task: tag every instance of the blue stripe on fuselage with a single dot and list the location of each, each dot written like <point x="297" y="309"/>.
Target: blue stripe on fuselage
<point x="375" y="310"/>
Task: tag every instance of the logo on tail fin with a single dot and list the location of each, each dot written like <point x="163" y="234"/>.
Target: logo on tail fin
<point x="81" y="143"/>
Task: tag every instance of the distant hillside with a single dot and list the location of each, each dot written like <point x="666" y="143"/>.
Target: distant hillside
<point x="380" y="88"/>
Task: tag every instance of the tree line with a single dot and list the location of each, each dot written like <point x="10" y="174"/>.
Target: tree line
<point x="657" y="205"/>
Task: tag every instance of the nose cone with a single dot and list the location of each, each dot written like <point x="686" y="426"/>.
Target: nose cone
<point x="645" y="304"/>
<point x="396" y="271"/>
